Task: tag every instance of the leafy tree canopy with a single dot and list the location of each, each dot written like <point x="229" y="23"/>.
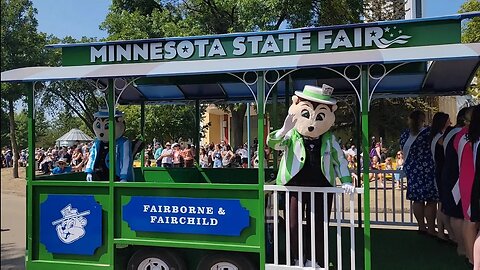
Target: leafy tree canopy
<point x="21" y="46"/>
<point x="163" y="123"/>
<point x="471" y="34"/>
<point x="134" y="19"/>
<point x="384" y="10"/>
<point x="471" y="29"/>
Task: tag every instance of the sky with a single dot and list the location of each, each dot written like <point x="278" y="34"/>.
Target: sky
<point x="72" y="17"/>
<point x="82" y="18"/>
<point x="435" y="8"/>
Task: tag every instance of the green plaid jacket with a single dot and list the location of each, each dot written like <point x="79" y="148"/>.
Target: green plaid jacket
<point x="333" y="160"/>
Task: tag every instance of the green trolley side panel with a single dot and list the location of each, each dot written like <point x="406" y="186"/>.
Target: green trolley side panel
<point x="247" y="241"/>
<point x="192" y="185"/>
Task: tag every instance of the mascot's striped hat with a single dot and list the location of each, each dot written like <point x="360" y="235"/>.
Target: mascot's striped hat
<point x="317" y="94"/>
<point x="103" y="113"/>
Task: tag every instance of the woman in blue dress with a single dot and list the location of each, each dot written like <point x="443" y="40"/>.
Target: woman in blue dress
<point x="217" y="157"/>
<point x="419" y="169"/>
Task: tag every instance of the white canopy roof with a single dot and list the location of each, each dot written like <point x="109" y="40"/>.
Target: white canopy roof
<point x="75" y="135"/>
<point x="158" y="69"/>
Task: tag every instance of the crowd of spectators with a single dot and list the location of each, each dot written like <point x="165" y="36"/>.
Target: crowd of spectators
<point x="211" y="155"/>
<point x="52" y="160"/>
<point x="6" y="158"/>
<point x="175" y="155"/>
<point x="55" y="160"/>
<point x="379" y="161"/>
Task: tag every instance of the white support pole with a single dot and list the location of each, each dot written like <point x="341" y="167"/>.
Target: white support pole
<point x="312" y="226"/>
<point x="352" y="233"/>
<point x="300" y="229"/>
<point x="287" y="226"/>
<point x="275" y="227"/>
<point x="325" y="230"/>
<point x="339" y="233"/>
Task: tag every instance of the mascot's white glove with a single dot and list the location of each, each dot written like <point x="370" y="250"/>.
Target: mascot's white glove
<point x="348" y="187"/>
<point x="89" y="177"/>
<point x="288" y="124"/>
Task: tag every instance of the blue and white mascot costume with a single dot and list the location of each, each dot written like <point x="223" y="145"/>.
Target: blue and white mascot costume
<point x="313" y="158"/>
<point x="98" y="164"/>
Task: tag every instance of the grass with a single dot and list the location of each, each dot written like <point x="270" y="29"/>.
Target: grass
<point x="402" y="250"/>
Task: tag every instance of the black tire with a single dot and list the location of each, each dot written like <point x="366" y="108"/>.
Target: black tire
<point x="160" y="257"/>
<point x="237" y="260"/>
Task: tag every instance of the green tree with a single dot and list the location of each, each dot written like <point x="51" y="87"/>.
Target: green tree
<point x="140" y="19"/>
<point x="80" y="99"/>
<point x="384" y="10"/>
<point x="4" y="125"/>
<point x="335" y="12"/>
<point x="471" y="34"/>
<point x="41" y="127"/>
<point x="63" y="122"/>
<point x="22" y="129"/>
<point x="21" y="46"/>
<point x="389" y="117"/>
<point x="471" y="29"/>
<point x="145" y="7"/>
<point x="162" y="122"/>
<point x="132" y="120"/>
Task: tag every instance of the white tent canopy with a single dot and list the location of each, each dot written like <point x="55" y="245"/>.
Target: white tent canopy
<point x="158" y="69"/>
<point x="72" y="137"/>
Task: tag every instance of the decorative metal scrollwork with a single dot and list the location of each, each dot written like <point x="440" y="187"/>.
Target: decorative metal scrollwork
<point x="125" y="86"/>
<point x="248" y="84"/>
<point x="274" y="83"/>
<point x="378" y="79"/>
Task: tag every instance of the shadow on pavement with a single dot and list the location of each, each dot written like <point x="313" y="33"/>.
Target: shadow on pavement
<point x="10" y="258"/>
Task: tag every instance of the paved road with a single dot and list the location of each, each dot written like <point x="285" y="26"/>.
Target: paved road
<point x="13" y="231"/>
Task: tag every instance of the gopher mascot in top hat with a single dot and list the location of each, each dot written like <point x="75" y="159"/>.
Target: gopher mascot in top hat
<point x="311" y="157"/>
<point x="98" y="165"/>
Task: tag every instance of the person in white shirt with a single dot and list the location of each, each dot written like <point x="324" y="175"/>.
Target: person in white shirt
<point x="167" y="156"/>
<point x="243" y="153"/>
<point x="352" y="151"/>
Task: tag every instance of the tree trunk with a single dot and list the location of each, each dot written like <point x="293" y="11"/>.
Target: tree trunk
<point x="238" y="116"/>
<point x="13" y="138"/>
<point x="383" y="120"/>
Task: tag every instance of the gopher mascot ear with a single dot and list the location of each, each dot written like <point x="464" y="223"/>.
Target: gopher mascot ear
<point x="334" y="107"/>
<point x="295" y="100"/>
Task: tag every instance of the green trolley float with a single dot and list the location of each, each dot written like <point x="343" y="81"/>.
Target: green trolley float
<point x="200" y="218"/>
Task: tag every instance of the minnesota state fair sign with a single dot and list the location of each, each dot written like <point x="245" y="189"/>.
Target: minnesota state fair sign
<point x="256" y="44"/>
<point x="186" y="215"/>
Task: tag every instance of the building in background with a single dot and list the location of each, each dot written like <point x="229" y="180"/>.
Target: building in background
<point x="220" y="128"/>
<point x="414" y="9"/>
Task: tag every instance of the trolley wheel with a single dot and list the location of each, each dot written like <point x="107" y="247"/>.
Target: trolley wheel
<point x="155" y="259"/>
<point x="225" y="261"/>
